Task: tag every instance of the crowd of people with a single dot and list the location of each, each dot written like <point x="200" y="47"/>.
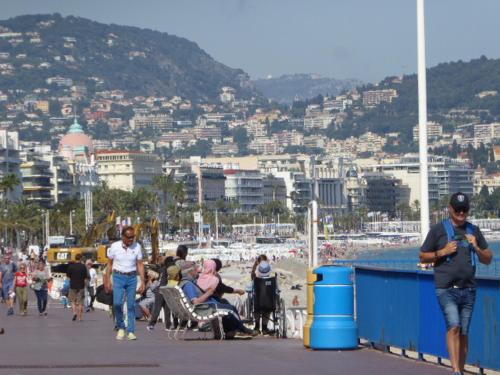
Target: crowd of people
<point x="201" y="283"/>
<point x="16" y="278"/>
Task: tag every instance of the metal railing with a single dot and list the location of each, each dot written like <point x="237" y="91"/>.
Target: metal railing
<point x="399" y="308"/>
<point x="492" y="269"/>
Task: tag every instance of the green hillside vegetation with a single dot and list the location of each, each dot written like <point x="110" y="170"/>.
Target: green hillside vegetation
<point x="450" y="86"/>
<point x="141" y="61"/>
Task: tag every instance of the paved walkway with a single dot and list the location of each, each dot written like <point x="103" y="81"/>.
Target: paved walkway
<point x="56" y="345"/>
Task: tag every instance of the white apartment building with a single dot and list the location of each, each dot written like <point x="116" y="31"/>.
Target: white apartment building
<point x="152" y="121"/>
<point x="263" y="145"/>
<point x="375" y="97"/>
<point x="10" y="159"/>
<point x="486" y="133"/>
<point x="246" y="188"/>
<point x="321" y="121"/>
<point x="63" y="184"/>
<point x="434" y="131"/>
<point x="127" y="170"/>
<point x="446" y="175"/>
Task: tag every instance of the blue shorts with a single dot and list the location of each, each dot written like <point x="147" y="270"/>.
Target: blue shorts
<point x="457" y="305"/>
<point x="6" y="288"/>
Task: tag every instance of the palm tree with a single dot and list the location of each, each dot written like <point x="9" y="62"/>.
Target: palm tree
<point x="165" y="185"/>
<point x="9" y="184"/>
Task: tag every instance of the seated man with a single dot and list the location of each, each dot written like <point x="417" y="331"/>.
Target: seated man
<point x="231" y="323"/>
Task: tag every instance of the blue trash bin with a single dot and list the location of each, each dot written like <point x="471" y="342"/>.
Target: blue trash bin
<point x="334" y="326"/>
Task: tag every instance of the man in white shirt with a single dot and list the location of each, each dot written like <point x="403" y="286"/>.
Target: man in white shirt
<point x="125" y="261"/>
<point x="91" y="286"/>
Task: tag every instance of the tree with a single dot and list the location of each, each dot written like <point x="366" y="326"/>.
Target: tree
<point x="9" y="184"/>
<point x="164" y="184"/>
<point x="240" y="136"/>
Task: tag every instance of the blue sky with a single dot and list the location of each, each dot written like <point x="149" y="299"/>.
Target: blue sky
<point x="364" y="39"/>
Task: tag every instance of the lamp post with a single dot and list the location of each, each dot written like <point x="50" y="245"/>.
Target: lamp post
<point x="71" y="213"/>
<point x="422" y="122"/>
<point x="5" y="212"/>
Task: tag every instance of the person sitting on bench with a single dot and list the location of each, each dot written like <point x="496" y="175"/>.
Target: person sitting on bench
<point x="231" y="323"/>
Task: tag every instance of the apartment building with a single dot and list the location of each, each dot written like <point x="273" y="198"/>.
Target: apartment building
<point x="9" y="159"/>
<point x="246" y="188"/>
<point x="127" y="170"/>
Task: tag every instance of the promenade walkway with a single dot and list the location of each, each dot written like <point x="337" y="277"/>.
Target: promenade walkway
<point x="56" y="345"/>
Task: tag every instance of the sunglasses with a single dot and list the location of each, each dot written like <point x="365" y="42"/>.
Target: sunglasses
<point x="461" y="211"/>
<point x="130" y="237"/>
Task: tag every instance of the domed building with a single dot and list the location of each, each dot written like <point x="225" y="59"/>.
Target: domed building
<point x="76" y="145"/>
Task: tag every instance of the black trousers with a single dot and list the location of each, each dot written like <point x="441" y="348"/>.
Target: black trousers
<point x="170" y="322"/>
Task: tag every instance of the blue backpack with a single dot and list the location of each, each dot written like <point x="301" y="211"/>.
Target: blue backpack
<point x="469" y="229"/>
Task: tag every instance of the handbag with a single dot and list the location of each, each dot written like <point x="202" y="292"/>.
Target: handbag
<point x="103" y="297"/>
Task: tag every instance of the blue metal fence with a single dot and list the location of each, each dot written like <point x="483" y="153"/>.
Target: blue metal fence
<point x="399" y="308"/>
<point x="492" y="269"/>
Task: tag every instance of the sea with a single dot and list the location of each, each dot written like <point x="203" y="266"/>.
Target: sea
<point x="408" y="253"/>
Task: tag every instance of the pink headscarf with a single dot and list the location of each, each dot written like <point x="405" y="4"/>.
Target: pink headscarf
<point x="208" y="278"/>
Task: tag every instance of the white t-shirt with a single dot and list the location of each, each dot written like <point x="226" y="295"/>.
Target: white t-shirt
<point x="93" y="277"/>
<point x="125" y="258"/>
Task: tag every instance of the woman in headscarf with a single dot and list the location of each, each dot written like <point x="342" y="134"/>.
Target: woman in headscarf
<point x="208" y="278"/>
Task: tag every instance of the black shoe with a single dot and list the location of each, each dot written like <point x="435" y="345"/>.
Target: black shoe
<point x="250" y="332"/>
<point x="2" y="331"/>
<point x="74" y="318"/>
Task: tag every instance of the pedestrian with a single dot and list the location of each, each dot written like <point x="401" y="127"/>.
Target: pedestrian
<point x="92" y="284"/>
<point x="78" y="276"/>
<point x="160" y="303"/>
<point x="454" y="246"/>
<point x="40" y="283"/>
<point x="21" y="285"/>
<point x="7" y="275"/>
<point x="125" y="262"/>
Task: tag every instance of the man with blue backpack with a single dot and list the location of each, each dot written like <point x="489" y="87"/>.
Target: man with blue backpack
<point x="455" y="246"/>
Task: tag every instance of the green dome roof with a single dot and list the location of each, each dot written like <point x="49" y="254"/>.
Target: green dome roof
<point x="75" y="128"/>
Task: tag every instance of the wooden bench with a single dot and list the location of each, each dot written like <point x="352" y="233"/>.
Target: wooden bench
<point x="184" y="310"/>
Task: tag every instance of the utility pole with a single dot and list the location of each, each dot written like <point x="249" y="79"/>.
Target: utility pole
<point x="71" y="222"/>
<point x="47" y="227"/>
<point x="216" y="225"/>
<point x="422" y="122"/>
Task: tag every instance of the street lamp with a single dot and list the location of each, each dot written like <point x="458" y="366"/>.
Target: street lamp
<point x="71" y="213"/>
<point x="5" y="212"/>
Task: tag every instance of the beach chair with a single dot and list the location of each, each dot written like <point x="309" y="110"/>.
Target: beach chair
<point x="184" y="310"/>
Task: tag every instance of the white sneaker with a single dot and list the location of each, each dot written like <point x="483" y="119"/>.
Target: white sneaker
<point x="131" y="336"/>
<point x="121" y="334"/>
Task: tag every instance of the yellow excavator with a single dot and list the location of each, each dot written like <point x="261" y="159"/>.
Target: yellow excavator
<point x="96" y="242"/>
<point x="63" y="252"/>
<point x="151" y="227"/>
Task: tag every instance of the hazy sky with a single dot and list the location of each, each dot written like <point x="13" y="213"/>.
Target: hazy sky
<point x="364" y="39"/>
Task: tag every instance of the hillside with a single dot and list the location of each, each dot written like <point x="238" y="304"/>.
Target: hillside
<point x="139" y="61"/>
<point x="290" y="87"/>
<point x="458" y="93"/>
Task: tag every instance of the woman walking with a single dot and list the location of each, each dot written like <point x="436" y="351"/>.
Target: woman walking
<point x="41" y="278"/>
<point x="21" y="286"/>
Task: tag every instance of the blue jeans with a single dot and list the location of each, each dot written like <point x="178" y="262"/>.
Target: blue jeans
<point x="124" y="286"/>
<point x="457" y="305"/>
<point x="41" y="300"/>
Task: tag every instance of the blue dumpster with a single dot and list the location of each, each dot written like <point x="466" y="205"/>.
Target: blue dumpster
<point x="333" y="325"/>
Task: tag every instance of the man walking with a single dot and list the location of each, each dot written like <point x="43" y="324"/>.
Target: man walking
<point x="92" y="285"/>
<point x="7" y="276"/>
<point x="454" y="246"/>
<point x="125" y="261"/>
<point x="78" y="275"/>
